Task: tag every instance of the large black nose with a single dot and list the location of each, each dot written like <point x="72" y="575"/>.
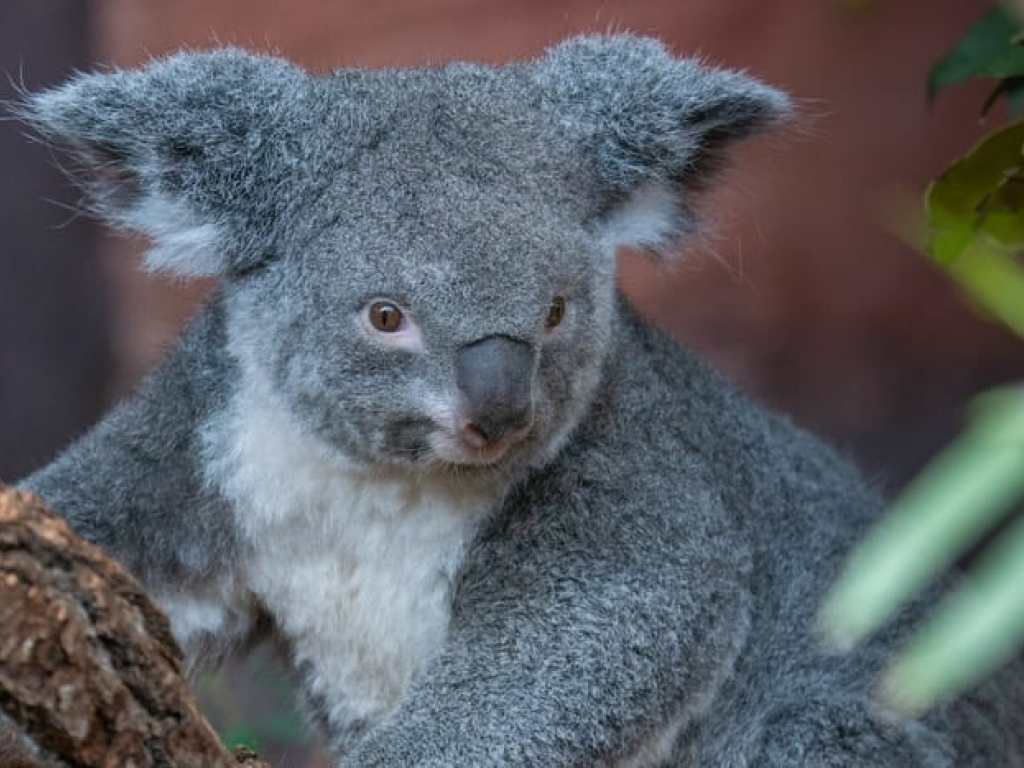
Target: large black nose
<point x="495" y="374"/>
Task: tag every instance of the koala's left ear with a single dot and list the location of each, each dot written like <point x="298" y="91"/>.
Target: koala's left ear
<point x="193" y="150"/>
<point x="652" y="127"/>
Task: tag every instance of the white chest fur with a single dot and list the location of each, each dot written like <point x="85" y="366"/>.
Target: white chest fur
<point x="355" y="566"/>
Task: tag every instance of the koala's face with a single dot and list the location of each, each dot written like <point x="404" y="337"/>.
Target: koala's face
<point x="469" y="330"/>
<point x="419" y="264"/>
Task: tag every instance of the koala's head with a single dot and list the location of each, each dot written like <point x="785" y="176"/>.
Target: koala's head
<point x="419" y="264"/>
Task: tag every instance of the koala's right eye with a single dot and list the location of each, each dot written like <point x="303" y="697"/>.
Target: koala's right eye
<point x="385" y="317"/>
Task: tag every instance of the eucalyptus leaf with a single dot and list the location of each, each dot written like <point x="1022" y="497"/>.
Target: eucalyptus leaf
<point x="979" y="628"/>
<point x="988" y="50"/>
<point x="994" y="280"/>
<point x="954" y="203"/>
<point x="1015" y="97"/>
<point x="1001" y="213"/>
<point x="975" y="220"/>
<point x="958" y="498"/>
<point x="1013" y="89"/>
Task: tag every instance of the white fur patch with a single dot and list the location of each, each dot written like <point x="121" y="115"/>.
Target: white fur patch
<point x="650" y="218"/>
<point x="182" y="243"/>
<point x="192" y="616"/>
<point x="355" y="564"/>
<point x="208" y="622"/>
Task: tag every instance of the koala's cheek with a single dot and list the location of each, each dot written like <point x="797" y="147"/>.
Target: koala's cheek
<point x="551" y="393"/>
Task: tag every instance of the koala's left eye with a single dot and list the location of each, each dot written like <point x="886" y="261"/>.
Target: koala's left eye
<point x="385" y="316"/>
<point x="556" y="313"/>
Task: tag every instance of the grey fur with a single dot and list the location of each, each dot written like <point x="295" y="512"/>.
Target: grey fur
<point x="661" y="544"/>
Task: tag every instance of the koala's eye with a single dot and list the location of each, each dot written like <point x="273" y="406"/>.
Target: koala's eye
<point x="556" y="313"/>
<point x="385" y="316"/>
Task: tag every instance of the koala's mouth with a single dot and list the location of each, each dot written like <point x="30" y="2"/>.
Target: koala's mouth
<point x="454" y="442"/>
<point x="467" y="448"/>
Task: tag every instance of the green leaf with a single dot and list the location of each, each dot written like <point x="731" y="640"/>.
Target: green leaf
<point x="978" y="629"/>
<point x="1015" y="96"/>
<point x="975" y="221"/>
<point x="242" y="736"/>
<point x="1013" y="89"/>
<point x="953" y="202"/>
<point x="988" y="50"/>
<point x="994" y="279"/>
<point x="958" y="497"/>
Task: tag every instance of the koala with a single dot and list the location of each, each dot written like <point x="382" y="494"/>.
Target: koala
<point x="419" y="437"/>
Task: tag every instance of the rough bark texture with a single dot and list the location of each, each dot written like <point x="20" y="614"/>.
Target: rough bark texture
<point x="88" y="666"/>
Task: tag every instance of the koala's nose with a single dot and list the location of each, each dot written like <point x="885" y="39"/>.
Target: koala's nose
<point x="495" y="375"/>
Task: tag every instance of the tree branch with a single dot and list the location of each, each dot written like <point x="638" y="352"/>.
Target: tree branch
<point x="88" y="667"/>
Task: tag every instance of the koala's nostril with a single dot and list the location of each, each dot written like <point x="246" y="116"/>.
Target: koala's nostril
<point x="496" y="438"/>
<point x="474" y="436"/>
<point x="485" y="432"/>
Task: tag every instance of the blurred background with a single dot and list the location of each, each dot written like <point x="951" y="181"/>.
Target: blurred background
<point x="803" y="290"/>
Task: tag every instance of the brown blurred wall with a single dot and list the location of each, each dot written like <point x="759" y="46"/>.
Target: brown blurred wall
<point x="56" y="356"/>
<point x="799" y="292"/>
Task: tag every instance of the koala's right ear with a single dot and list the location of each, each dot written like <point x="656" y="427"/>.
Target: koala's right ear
<point x="192" y="151"/>
<point x="652" y="126"/>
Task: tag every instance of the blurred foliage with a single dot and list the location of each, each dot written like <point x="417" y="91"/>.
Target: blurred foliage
<point x="976" y="234"/>
<point x="975" y="226"/>
<point x="252" y="704"/>
<point x="989" y="50"/>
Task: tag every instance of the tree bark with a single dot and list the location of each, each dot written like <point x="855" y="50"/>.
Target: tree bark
<point x="89" y="669"/>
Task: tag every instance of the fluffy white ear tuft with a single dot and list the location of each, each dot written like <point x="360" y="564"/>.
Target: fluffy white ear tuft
<point x="654" y="128"/>
<point x="183" y="150"/>
<point x="652" y="218"/>
<point x="183" y="243"/>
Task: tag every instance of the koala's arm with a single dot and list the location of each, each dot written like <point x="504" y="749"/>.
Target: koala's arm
<point x="600" y="615"/>
<point x="133" y="484"/>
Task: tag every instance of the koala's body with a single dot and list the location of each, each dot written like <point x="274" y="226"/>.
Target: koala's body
<point x="417" y="434"/>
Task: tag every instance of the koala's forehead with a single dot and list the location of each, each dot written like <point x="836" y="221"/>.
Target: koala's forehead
<point x="491" y="118"/>
<point x="415" y="142"/>
<point x="502" y="251"/>
<point x="447" y="175"/>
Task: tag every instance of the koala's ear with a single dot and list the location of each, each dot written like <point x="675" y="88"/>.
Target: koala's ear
<point x="652" y="127"/>
<point x="191" y="151"/>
